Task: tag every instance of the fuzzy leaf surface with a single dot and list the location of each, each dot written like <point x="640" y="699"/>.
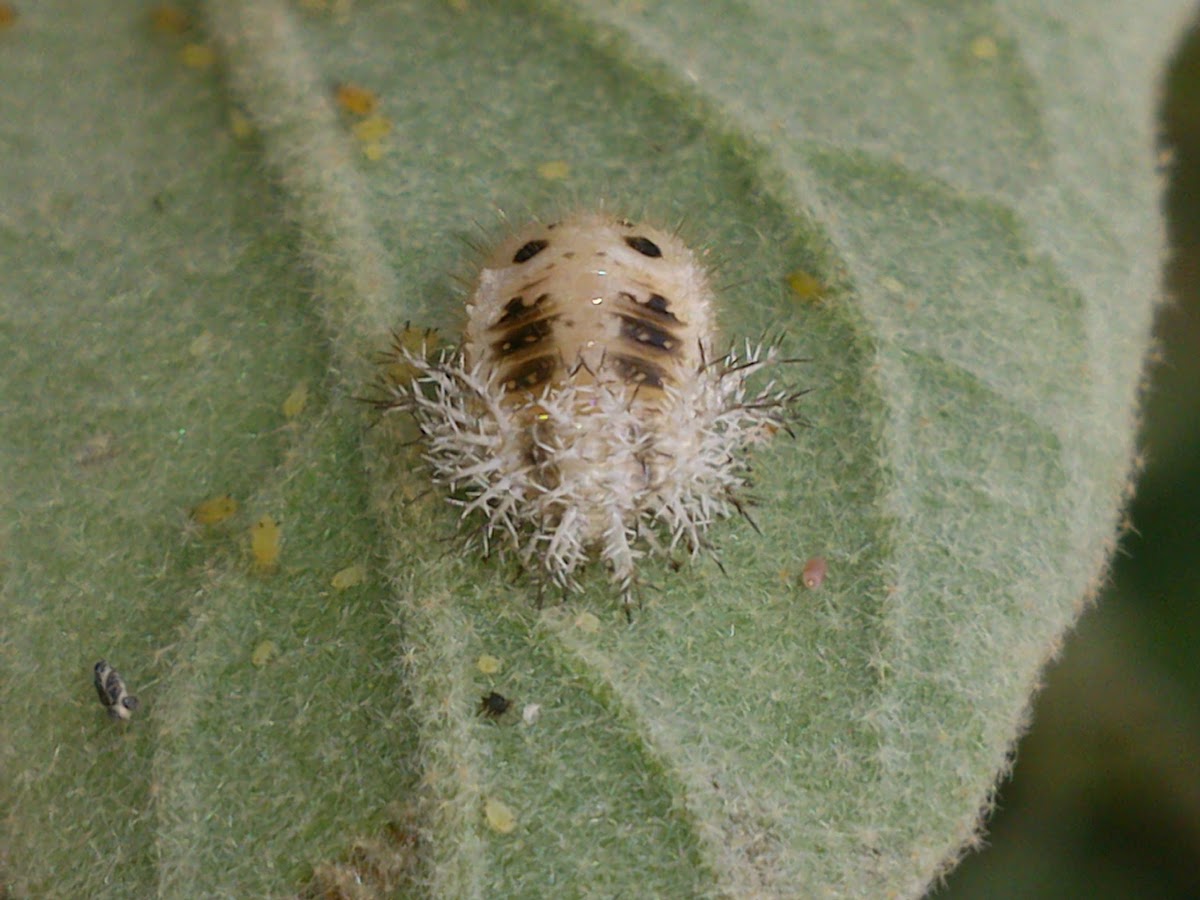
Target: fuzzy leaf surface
<point x="972" y="188"/>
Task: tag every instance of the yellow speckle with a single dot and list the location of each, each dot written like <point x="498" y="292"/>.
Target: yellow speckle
<point x="338" y="8"/>
<point x="891" y="285"/>
<point x="555" y="170"/>
<point x="296" y="400"/>
<point x="352" y="575"/>
<point x="374" y="151"/>
<point x="265" y="537"/>
<point x="202" y="345"/>
<point x="804" y="285"/>
<point x="459" y="6"/>
<point x="356" y="99"/>
<point x="984" y="47"/>
<point x="169" y="19"/>
<point x="215" y="510"/>
<point x="499" y="817"/>
<point x="587" y="623"/>
<point x="264" y="653"/>
<point x="488" y="665"/>
<point x="8" y="15"/>
<point x="240" y="125"/>
<point x="198" y="56"/>
<point x="372" y="129"/>
<point x="100" y="447"/>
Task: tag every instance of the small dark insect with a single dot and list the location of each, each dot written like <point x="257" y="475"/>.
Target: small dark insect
<point x="494" y="705"/>
<point x="110" y="687"/>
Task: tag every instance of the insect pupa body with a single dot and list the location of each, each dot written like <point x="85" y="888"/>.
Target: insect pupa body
<point x="585" y="414"/>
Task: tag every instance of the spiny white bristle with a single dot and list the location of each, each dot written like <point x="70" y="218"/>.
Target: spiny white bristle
<point x="580" y="470"/>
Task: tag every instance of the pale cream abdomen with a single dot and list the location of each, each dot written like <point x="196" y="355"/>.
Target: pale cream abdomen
<point x="590" y="298"/>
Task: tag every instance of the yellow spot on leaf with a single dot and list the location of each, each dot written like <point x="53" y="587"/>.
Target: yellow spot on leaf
<point x="215" y="510"/>
<point x="265" y="539"/>
<point x="296" y="400"/>
<point x="199" y="56"/>
<point x="338" y="8"/>
<point x="488" y="665"/>
<point x="372" y="129"/>
<point x="356" y="99"/>
<point x="555" y="170"/>
<point x="240" y="125"/>
<point x="168" y="19"/>
<point x="202" y="345"/>
<point x="587" y="623"/>
<point x="500" y="817"/>
<point x="805" y="286"/>
<point x="100" y="447"/>
<point x="263" y="654"/>
<point x="984" y="47"/>
<point x="348" y="577"/>
<point x="374" y="150"/>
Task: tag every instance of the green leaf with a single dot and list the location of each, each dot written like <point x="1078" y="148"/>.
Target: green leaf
<point x="971" y="189"/>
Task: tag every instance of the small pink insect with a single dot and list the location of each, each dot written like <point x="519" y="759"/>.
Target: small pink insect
<point x="813" y="575"/>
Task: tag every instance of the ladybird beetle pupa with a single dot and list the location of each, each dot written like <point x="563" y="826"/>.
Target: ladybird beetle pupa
<point x="585" y="414"/>
<point x="110" y="687"/>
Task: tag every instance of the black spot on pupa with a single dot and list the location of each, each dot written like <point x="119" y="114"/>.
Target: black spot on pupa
<point x="529" y="250"/>
<point x="523" y="337"/>
<point x="647" y="334"/>
<point x="531" y="373"/>
<point x="644" y="246"/>
<point x="639" y="371"/>
<point x="658" y="303"/>
<point x="517" y="309"/>
<point x="656" y="306"/>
